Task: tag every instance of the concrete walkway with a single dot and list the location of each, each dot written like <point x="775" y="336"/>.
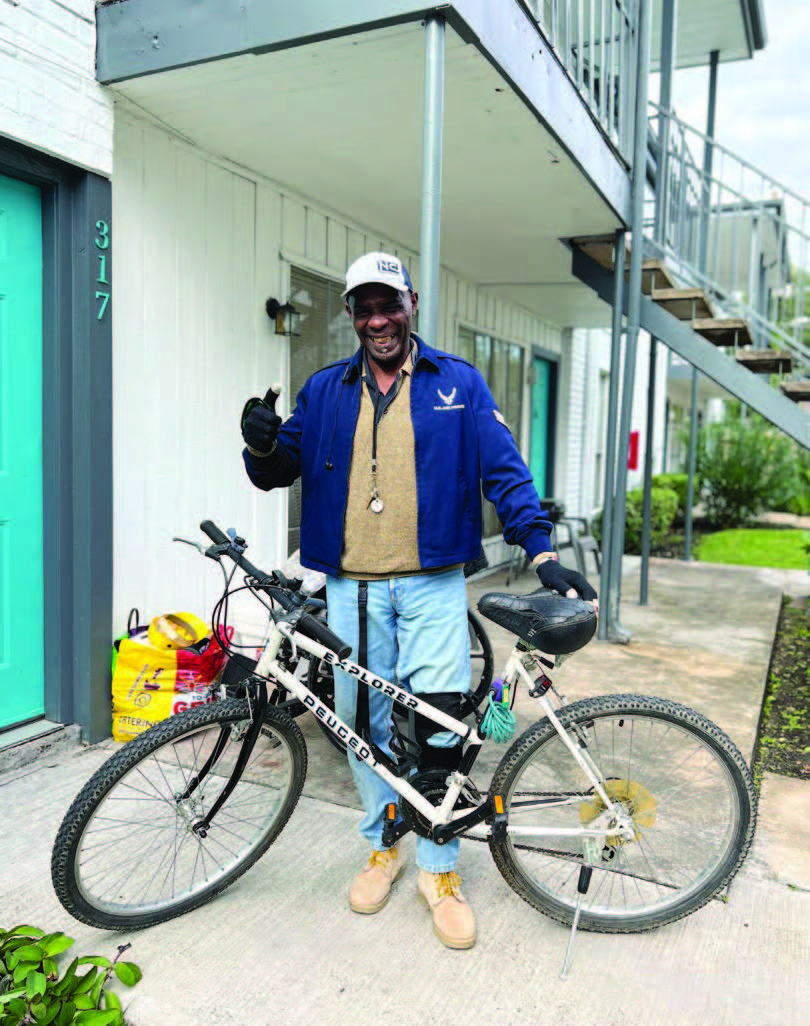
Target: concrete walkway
<point x="281" y="946"/>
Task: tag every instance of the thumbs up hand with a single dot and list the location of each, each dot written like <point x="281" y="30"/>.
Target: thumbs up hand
<point x="260" y="423"/>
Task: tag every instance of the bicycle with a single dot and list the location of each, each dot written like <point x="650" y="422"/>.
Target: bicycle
<point x="617" y="813"/>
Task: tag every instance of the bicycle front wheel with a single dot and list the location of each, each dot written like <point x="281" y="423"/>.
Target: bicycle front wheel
<point x="684" y="783"/>
<point x="126" y="855"/>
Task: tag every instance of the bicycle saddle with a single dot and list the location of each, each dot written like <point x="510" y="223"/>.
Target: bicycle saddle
<point x="543" y="619"/>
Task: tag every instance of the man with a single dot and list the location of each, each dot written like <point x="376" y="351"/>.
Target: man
<point x="393" y="447"/>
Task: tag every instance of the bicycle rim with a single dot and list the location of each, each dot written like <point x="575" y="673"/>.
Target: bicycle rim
<point x="127" y="854"/>
<point x="685" y="785"/>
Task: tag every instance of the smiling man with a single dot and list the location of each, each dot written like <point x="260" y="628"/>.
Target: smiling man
<point x="394" y="447"/>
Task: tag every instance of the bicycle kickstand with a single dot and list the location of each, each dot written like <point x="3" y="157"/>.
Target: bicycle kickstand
<point x="583" y="883"/>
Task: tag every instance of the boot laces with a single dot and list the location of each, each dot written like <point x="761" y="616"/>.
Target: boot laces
<point x="382" y="859"/>
<point x="448" y="885"/>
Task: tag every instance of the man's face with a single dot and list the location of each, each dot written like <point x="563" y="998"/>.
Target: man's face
<point x="382" y="319"/>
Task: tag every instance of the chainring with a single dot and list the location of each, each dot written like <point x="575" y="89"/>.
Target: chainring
<point x="432" y="785"/>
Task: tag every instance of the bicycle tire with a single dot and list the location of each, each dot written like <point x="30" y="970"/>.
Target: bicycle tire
<point x="694" y="810"/>
<point x="320" y="679"/>
<point x="137" y="862"/>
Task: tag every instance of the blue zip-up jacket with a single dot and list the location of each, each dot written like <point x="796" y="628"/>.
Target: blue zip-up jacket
<point x="461" y="446"/>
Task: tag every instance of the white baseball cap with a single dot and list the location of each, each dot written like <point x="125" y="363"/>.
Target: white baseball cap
<point x="378" y="267"/>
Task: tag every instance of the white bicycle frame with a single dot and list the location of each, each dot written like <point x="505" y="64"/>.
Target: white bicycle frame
<point x="613" y="819"/>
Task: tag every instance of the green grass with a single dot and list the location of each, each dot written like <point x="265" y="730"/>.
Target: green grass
<point x="785" y="549"/>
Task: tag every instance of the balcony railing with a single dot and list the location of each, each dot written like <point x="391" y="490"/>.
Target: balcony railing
<point x="735" y="231"/>
<point x="595" y="41"/>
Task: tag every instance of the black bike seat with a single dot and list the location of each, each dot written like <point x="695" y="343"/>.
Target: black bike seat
<point x="543" y="619"/>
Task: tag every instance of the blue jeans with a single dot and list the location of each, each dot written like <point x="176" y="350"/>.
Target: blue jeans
<point x="417" y="638"/>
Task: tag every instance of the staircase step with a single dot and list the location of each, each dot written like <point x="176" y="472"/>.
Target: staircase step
<point x="598" y="248"/>
<point x="685" y="304"/>
<point x="798" y="391"/>
<point x="654" y="272"/>
<point x="724" y="331"/>
<point x="765" y="361"/>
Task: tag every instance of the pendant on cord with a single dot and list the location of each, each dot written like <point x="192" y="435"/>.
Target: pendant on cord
<point x="376" y="504"/>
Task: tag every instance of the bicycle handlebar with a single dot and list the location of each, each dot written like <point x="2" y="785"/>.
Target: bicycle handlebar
<point x="309" y="625"/>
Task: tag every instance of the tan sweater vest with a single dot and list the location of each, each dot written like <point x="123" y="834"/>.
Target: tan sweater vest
<point x="379" y="545"/>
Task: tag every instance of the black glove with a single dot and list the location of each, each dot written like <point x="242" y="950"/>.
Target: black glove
<point x="558" y="578"/>
<point x="260" y="424"/>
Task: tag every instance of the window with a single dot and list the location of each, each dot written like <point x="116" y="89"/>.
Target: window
<point x="326" y="335"/>
<point x="501" y="364"/>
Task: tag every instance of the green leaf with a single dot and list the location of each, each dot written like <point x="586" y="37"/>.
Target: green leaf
<point x="35" y="985"/>
<point x="23" y="969"/>
<point x="66" y="1013"/>
<point x="99" y="960"/>
<point x="39" y="1010"/>
<point x="50" y="969"/>
<point x="128" y="973"/>
<point x="111" y="999"/>
<point x="96" y="1018"/>
<point x="56" y="944"/>
<point x="29" y="931"/>
<point x="18" y="1006"/>
<point x="83" y="1001"/>
<point x="30" y="952"/>
<point x="86" y="982"/>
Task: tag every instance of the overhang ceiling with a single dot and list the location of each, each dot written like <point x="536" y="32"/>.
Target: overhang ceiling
<point x="734" y="28"/>
<point x="340" y="122"/>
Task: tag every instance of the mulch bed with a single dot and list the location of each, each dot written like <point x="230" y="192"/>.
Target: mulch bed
<point x="784" y="732"/>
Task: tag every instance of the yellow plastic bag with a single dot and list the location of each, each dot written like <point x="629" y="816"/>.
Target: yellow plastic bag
<point x="151" y="683"/>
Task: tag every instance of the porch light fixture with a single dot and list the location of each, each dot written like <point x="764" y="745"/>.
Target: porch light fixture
<point x="286" y="317"/>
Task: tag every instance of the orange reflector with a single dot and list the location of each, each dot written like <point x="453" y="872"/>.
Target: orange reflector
<point x="499" y="804"/>
<point x="391" y="811"/>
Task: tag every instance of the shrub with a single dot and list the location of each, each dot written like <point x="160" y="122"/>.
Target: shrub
<point x="663" y="506"/>
<point x="32" y="990"/>
<point x="679" y="484"/>
<point x="746" y="467"/>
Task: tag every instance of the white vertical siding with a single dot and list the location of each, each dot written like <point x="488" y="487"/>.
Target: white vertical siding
<point x="49" y="97"/>
<point x="200" y="246"/>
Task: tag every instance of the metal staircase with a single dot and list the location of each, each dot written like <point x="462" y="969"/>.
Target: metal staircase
<point x="726" y="272"/>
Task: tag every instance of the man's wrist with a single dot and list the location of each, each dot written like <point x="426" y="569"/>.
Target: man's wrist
<point x="542" y="557"/>
<point x="261" y="455"/>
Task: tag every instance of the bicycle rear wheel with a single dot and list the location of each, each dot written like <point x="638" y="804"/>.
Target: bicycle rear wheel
<point x="126" y="855"/>
<point x="686" y="785"/>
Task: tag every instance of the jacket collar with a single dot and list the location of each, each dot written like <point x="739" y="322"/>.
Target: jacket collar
<point x="426" y="356"/>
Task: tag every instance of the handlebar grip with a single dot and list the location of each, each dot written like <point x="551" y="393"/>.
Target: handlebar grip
<point x="217" y="536"/>
<point x="318" y="631"/>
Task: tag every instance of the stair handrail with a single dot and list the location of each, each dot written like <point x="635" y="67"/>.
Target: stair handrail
<point x="693" y="204"/>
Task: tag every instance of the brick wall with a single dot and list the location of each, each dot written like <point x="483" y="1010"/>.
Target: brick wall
<point x="49" y="98"/>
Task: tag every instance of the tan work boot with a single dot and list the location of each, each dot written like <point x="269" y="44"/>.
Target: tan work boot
<point x="371" y="887"/>
<point x="453" y="921"/>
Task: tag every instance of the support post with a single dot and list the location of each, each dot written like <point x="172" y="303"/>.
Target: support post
<point x="703" y="250"/>
<point x="646" y="526"/>
<point x="605" y="590"/>
<point x="669" y="18"/>
<point x="433" y="125"/>
<point x="617" y="632"/>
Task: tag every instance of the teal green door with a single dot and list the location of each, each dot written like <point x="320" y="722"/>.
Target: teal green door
<point x="539" y="442"/>
<point x="21" y="586"/>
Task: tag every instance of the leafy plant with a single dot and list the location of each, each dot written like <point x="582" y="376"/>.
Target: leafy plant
<point x="679" y="484"/>
<point x="663" y="506"/>
<point x="746" y="467"/>
<point x="33" y="991"/>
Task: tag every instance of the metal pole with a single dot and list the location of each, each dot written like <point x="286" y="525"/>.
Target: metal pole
<point x="432" y="178"/>
<point x="703" y="250"/>
<point x="619" y="249"/>
<point x="669" y="17"/>
<point x="646" y="526"/>
<point x="633" y="302"/>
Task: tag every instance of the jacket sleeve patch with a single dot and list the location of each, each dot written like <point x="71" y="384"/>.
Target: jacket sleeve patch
<point x="501" y="420"/>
